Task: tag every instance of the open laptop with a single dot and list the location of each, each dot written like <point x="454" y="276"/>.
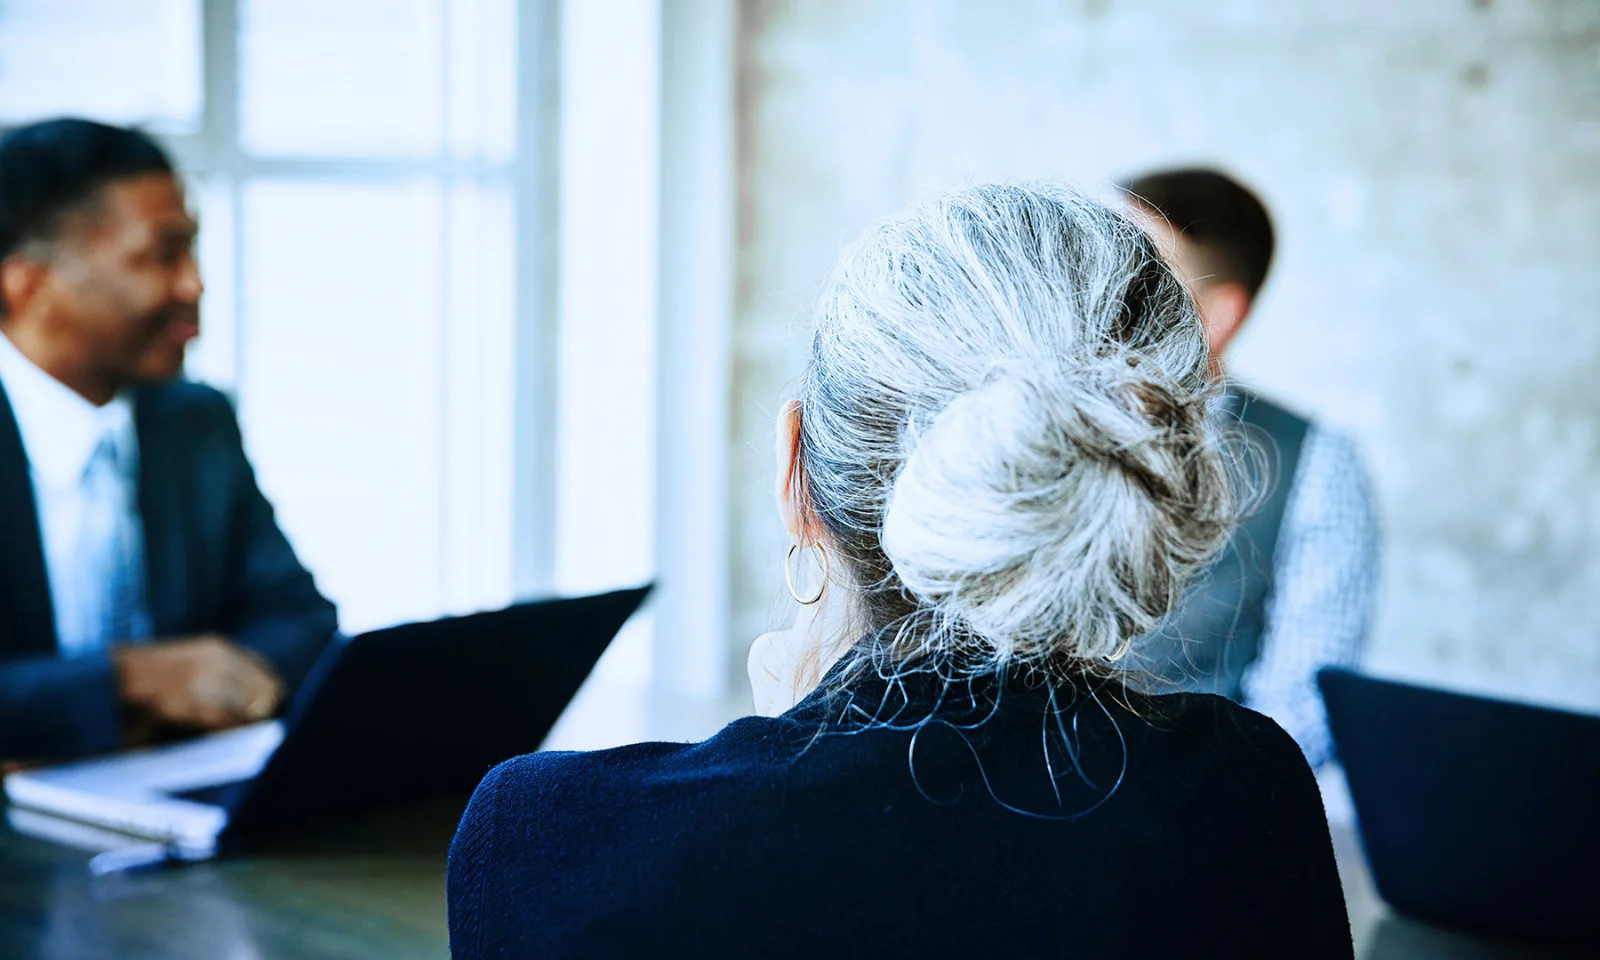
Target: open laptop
<point x="1475" y="813"/>
<point x="387" y="717"/>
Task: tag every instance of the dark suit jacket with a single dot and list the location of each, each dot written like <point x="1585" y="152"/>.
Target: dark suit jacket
<point x="214" y="561"/>
<point x="1190" y="828"/>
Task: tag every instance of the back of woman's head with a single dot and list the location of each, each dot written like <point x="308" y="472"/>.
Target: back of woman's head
<point x="1004" y="432"/>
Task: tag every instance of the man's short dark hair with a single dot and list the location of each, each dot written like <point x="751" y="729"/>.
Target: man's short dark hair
<point x="1221" y="217"/>
<point x="51" y="168"/>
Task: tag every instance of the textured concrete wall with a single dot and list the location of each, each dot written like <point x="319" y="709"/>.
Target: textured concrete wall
<point x="1434" y="168"/>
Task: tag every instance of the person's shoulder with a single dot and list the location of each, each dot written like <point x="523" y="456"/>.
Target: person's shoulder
<point x="531" y="792"/>
<point x="1333" y="449"/>
<point x="1327" y="453"/>
<point x="555" y="769"/>
<point x="1228" y="735"/>
<point x="1235" y="768"/>
<point x="567" y="776"/>
<point x="1321" y="438"/>
<point x="1276" y="408"/>
<point x="187" y="393"/>
<point x="186" y="399"/>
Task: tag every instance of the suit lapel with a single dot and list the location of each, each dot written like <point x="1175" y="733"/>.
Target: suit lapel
<point x="29" y="624"/>
<point x="161" y="505"/>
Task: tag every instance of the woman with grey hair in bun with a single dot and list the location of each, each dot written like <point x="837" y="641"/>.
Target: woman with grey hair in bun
<point x="997" y="475"/>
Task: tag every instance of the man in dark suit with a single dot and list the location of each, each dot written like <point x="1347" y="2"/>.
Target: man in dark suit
<point x="144" y="585"/>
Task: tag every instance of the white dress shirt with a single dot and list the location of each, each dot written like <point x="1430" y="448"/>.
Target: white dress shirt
<point x="1324" y="588"/>
<point x="83" y="462"/>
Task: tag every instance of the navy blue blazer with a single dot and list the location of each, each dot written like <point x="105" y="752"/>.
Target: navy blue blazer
<point x="1013" y="822"/>
<point x="215" y="560"/>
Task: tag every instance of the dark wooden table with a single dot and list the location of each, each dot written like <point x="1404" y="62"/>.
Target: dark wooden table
<point x="370" y="889"/>
<point x="376" y="889"/>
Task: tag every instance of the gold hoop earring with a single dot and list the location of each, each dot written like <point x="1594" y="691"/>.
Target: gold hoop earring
<point x="788" y="574"/>
<point x="1122" y="651"/>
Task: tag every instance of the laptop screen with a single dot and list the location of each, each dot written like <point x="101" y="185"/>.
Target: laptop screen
<point x="426" y="709"/>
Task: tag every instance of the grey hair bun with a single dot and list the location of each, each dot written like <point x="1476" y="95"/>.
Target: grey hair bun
<point x="1004" y="430"/>
<point x="1059" y="508"/>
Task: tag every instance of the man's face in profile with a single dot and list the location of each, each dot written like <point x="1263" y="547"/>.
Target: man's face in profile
<point x="123" y="284"/>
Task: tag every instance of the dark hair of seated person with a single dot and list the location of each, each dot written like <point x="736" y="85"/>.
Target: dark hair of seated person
<point x="1001" y="463"/>
<point x="1226" y="225"/>
<point x="53" y="168"/>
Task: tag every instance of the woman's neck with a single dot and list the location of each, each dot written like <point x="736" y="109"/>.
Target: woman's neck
<point x="786" y="665"/>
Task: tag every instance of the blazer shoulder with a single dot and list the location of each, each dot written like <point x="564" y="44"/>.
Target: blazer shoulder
<point x="187" y="395"/>
<point x="551" y="772"/>
<point x="1232" y="734"/>
<point x="537" y="786"/>
<point x="196" y="410"/>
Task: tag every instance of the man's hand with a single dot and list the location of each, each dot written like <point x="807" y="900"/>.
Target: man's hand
<point x="202" y="681"/>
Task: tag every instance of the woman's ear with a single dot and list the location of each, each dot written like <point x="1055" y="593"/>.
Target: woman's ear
<point x="794" y="506"/>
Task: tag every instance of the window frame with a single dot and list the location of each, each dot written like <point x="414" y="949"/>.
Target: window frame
<point x="214" y="151"/>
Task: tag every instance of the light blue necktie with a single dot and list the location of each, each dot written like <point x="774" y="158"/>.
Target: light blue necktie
<point x="108" y="604"/>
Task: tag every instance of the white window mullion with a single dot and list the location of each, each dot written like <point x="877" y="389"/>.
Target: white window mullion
<point x="697" y="250"/>
<point x="608" y="302"/>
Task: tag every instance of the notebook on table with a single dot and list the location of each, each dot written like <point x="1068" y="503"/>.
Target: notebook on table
<point x="1475" y="813"/>
<point x="387" y="717"/>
